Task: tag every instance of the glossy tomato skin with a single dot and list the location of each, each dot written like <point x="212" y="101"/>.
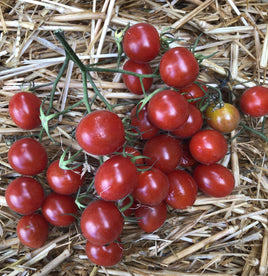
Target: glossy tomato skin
<point x="101" y="222"/>
<point x="64" y="182"/>
<point x="141" y="123"/>
<point x="132" y="82"/>
<point x="224" y="119"/>
<point x="101" y="132"/>
<point x="187" y="159"/>
<point x="27" y="156"/>
<point x="254" y="101"/>
<point x="116" y="178"/>
<point x="193" y="93"/>
<point x="32" y="230"/>
<point x="141" y="42"/>
<point x="192" y="125"/>
<point x="24" y="195"/>
<point x="59" y="210"/>
<point x="182" y="190"/>
<point x="164" y="152"/>
<point x="178" y="67"/>
<point x="208" y="146"/>
<point x="152" y="188"/>
<point x="151" y="218"/>
<point x="24" y="110"/>
<point x="168" y="110"/>
<point x="105" y="255"/>
<point x="214" y="180"/>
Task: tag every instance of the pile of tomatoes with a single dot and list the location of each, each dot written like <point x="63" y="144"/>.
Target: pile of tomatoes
<point x="174" y="151"/>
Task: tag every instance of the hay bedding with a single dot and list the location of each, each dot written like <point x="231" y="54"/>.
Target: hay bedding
<point x="226" y="236"/>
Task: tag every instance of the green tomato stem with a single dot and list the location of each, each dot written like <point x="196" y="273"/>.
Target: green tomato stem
<point x="260" y="134"/>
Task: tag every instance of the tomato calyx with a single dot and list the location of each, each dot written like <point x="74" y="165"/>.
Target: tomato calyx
<point x="63" y="164"/>
<point x="80" y="197"/>
<point x="118" y="36"/>
<point x="127" y="206"/>
<point x="200" y="57"/>
<point x="167" y="38"/>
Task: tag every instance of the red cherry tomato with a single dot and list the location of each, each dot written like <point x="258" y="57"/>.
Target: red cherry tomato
<point x="214" y="180"/>
<point x="187" y="159"/>
<point x="141" y="123"/>
<point x="193" y="93"/>
<point x="152" y="187"/>
<point x="192" y="125"/>
<point x="178" y="67"/>
<point x="59" y="210"/>
<point x="141" y="42"/>
<point x="105" y="255"/>
<point x="24" y="110"/>
<point x="164" y="152"/>
<point x="101" y="222"/>
<point x="182" y="190"/>
<point x="100" y="132"/>
<point x="64" y="181"/>
<point x="254" y="101"/>
<point x="133" y="83"/>
<point x="151" y="218"/>
<point x="208" y="146"/>
<point x="116" y="178"/>
<point x="24" y="195"/>
<point x="224" y="119"/>
<point x="168" y="110"/>
<point x="27" y="156"/>
<point x="32" y="230"/>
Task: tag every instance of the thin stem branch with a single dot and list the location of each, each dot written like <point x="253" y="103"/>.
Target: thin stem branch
<point x="260" y="134"/>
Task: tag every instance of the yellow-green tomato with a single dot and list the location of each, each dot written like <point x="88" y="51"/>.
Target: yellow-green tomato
<point x="224" y="118"/>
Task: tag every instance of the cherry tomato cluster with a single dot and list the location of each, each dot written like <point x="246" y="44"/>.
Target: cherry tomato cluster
<point x="26" y="195"/>
<point x="175" y="152"/>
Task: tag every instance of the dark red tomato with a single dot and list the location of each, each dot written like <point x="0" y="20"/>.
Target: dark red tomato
<point x="141" y="42"/>
<point x="133" y="83"/>
<point x="168" y="110"/>
<point x="105" y="255"/>
<point x="152" y="186"/>
<point x="24" y="110"/>
<point x="27" y="156"/>
<point x="100" y="132"/>
<point x="254" y="101"/>
<point x="59" y="210"/>
<point x="101" y="222"/>
<point x="193" y="93"/>
<point x="133" y="154"/>
<point x="24" y="195"/>
<point x="164" y="152"/>
<point x="223" y="118"/>
<point x="192" y="125"/>
<point x="178" y="67"/>
<point x="151" y="218"/>
<point x="32" y="230"/>
<point x="141" y="123"/>
<point x="187" y="159"/>
<point x="214" y="180"/>
<point x="65" y="182"/>
<point x="208" y="146"/>
<point x="182" y="190"/>
<point x="116" y="178"/>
